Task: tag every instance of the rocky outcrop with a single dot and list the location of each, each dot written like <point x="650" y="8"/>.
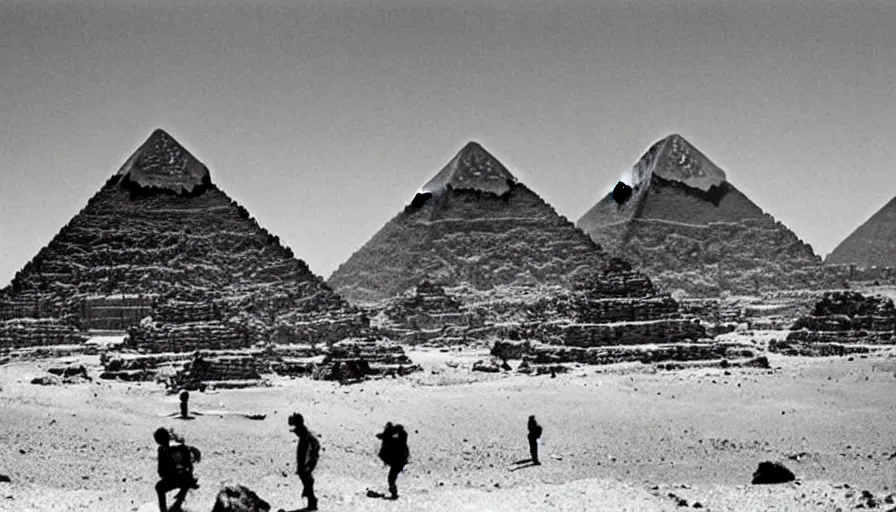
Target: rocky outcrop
<point x="693" y="233"/>
<point x="842" y="323"/>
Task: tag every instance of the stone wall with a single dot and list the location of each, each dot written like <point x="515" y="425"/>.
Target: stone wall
<point x="841" y="323"/>
<point x="34" y="332"/>
<point x="188" y="337"/>
<point x="354" y="359"/>
<point x="544" y="354"/>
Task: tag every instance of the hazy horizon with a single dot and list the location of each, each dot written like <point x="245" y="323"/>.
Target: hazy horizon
<point x="324" y="119"/>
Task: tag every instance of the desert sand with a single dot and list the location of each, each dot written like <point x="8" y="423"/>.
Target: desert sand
<point x="621" y="437"/>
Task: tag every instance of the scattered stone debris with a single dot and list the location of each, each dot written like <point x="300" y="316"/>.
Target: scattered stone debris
<point x="47" y="380"/>
<point x="237" y="498"/>
<point x="71" y="370"/>
<point x="798" y="456"/>
<point x="772" y="473"/>
<point x="488" y="366"/>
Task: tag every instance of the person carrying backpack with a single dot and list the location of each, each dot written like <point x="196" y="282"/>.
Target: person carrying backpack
<point x="175" y="468"/>
<point x="394" y="453"/>
<point x="534" y="434"/>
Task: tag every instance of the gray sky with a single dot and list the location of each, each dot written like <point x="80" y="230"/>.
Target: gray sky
<point x="324" y="118"/>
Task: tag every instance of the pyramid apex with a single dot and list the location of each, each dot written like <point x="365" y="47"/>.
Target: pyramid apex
<point x="163" y="163"/>
<point x="473" y="168"/>
<point x="673" y="158"/>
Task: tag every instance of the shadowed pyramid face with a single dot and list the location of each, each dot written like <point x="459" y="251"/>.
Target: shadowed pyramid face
<point x="162" y="163"/>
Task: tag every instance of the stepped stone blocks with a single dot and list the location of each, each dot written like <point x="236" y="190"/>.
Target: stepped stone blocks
<point x="354" y="359"/>
<point x="202" y="370"/>
<point x="160" y="239"/>
<point x="842" y="323"/>
<point x="37" y="332"/>
<point x="696" y="234"/>
<point x="535" y="353"/>
<point x="873" y="244"/>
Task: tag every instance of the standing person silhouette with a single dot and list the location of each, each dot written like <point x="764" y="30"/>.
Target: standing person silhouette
<point x="307" y="454"/>
<point x="394" y="453"/>
<point x="534" y="435"/>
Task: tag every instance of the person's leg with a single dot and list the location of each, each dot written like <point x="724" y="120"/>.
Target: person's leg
<point x="181" y="495"/>
<point x="394" y="471"/>
<point x="533" y="450"/>
<point x="161" y="489"/>
<point x="308" y="489"/>
<point x="312" y="499"/>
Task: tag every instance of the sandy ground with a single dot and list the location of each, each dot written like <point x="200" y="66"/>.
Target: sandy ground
<point x="616" y="438"/>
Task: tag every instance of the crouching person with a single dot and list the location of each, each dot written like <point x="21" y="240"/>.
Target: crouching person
<point x="175" y="468"/>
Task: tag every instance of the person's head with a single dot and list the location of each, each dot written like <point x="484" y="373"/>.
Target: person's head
<point x="162" y="436"/>
<point x="297" y="422"/>
<point x="184" y="395"/>
<point x="532" y="419"/>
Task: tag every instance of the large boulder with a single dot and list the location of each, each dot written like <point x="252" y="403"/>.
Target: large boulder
<point x="772" y="473"/>
<point x="237" y="498"/>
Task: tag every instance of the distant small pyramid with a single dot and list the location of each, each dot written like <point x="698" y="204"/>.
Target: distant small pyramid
<point x="474" y="226"/>
<point x="162" y="163"/>
<point x="871" y="244"/>
<point x="689" y="229"/>
<point x="473" y="168"/>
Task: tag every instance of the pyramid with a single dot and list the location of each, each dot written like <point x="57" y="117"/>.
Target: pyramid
<point x="160" y="239"/>
<point x="473" y="224"/>
<point x="871" y="244"/>
<point x="692" y="231"/>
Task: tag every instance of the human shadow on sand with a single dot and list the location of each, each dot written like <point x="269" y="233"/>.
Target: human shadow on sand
<point x="522" y="464"/>
<point x="379" y="495"/>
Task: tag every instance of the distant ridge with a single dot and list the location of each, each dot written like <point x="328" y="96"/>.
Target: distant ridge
<point x="871" y="244"/>
<point x="690" y="230"/>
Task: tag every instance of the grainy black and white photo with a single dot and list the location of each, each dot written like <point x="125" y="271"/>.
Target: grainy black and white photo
<point x="447" y="255"/>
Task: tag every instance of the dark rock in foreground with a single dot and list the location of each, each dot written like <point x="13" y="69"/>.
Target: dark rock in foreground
<point x="772" y="473"/>
<point x="237" y="498"/>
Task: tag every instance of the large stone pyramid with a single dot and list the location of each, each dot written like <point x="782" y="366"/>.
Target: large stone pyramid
<point x="160" y="239"/>
<point x="474" y="225"/>
<point x="871" y="244"/>
<point x="690" y="230"/>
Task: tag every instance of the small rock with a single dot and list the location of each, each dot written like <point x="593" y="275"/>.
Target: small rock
<point x="5" y="479"/>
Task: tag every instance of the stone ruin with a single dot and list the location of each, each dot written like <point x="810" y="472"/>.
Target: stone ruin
<point x="842" y="323"/>
<point x="355" y="359"/>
